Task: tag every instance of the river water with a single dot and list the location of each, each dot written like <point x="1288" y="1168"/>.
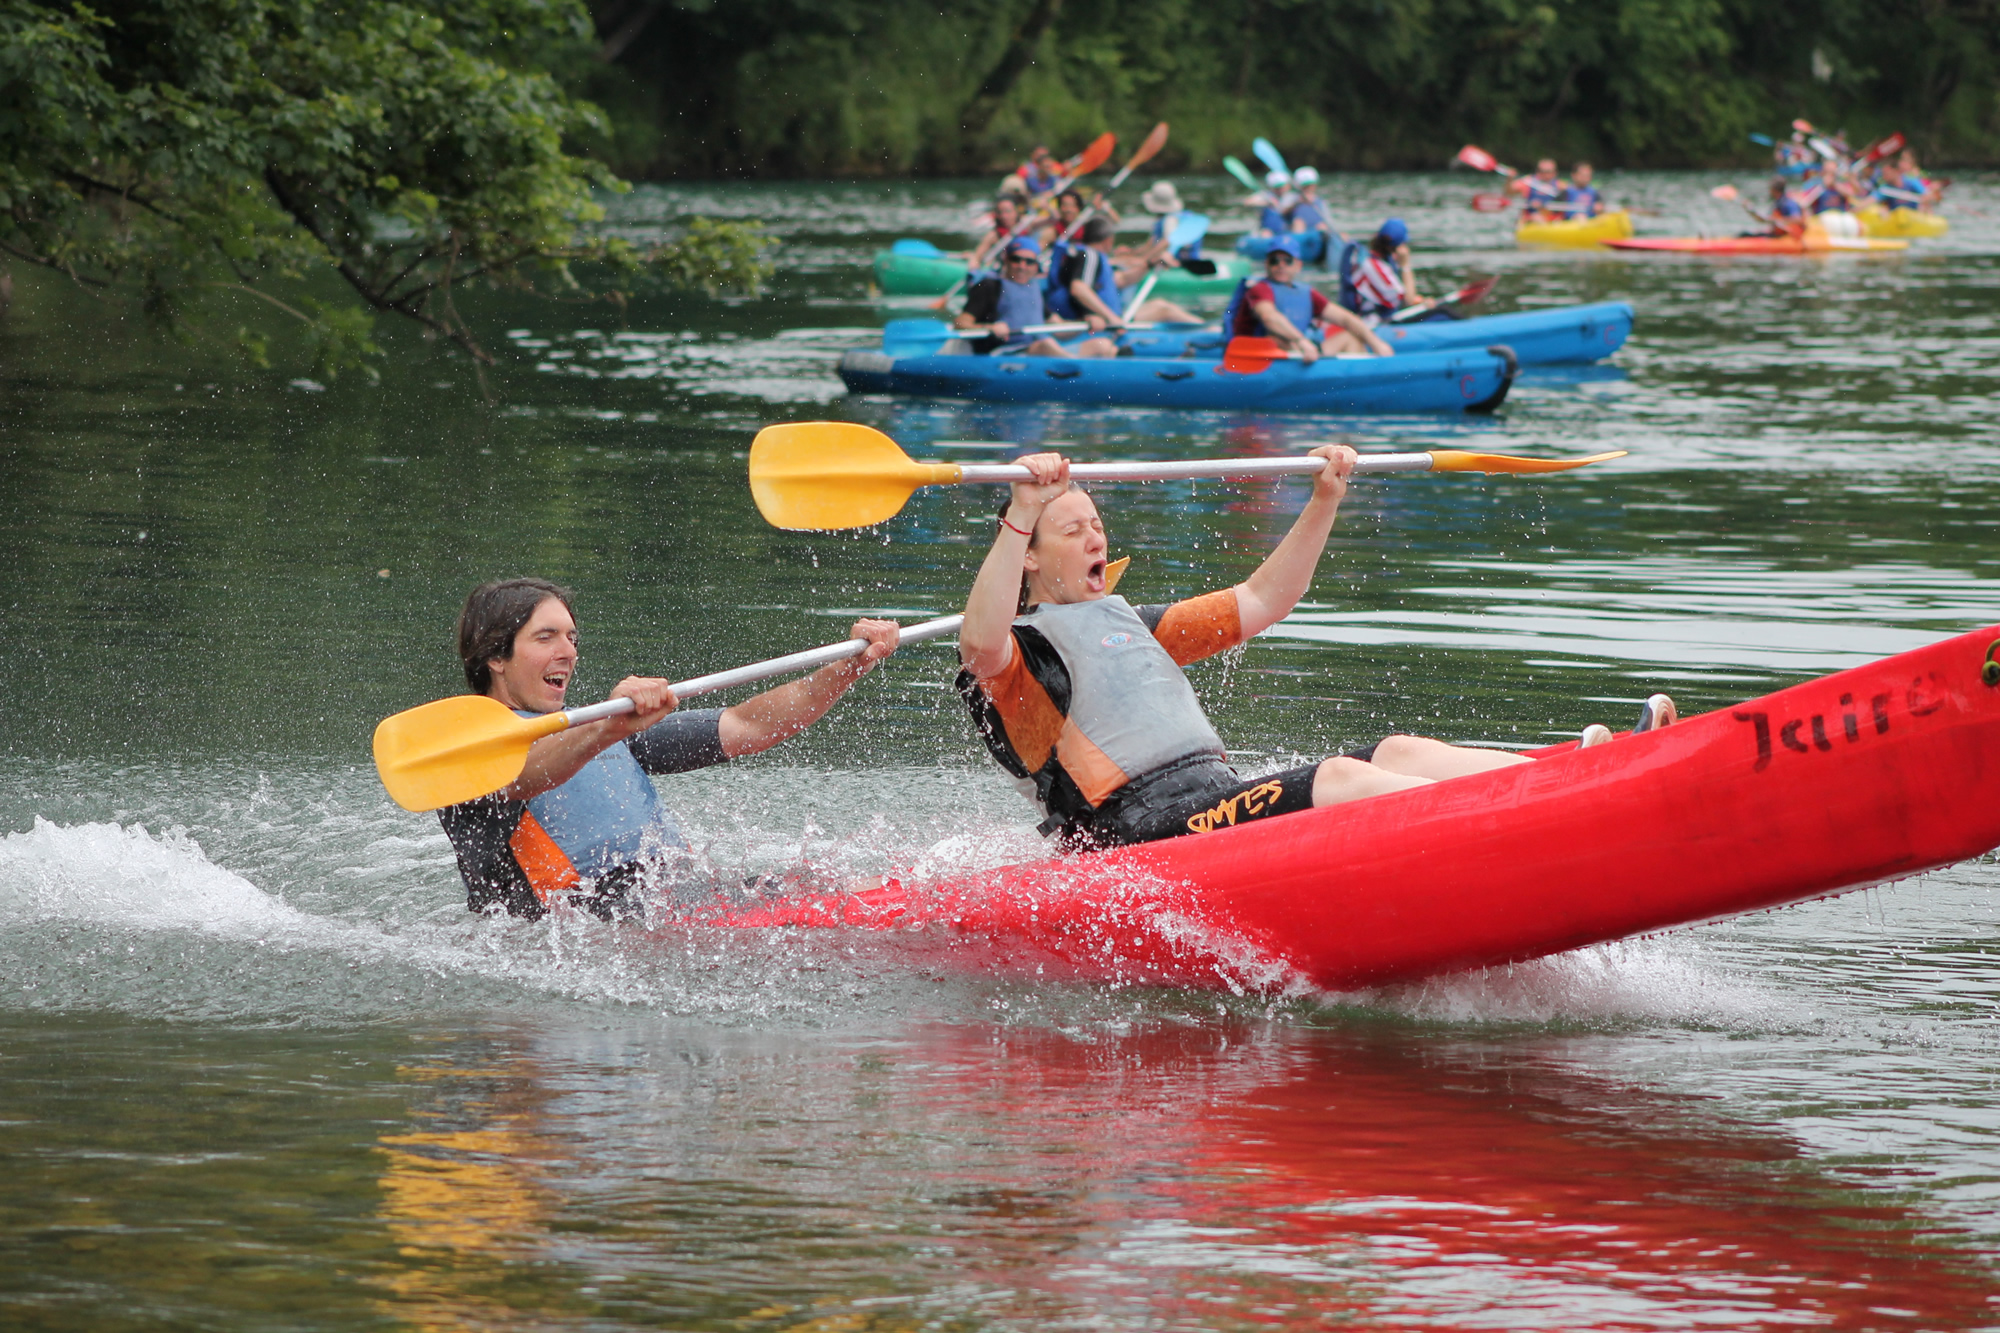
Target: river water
<point x="259" y="1068"/>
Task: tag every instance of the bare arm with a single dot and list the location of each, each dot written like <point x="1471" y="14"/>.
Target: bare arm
<point x="986" y="639"/>
<point x="554" y="760"/>
<point x="1354" y="324"/>
<point x="1284" y="330"/>
<point x="1270" y="593"/>
<point x="760" y="722"/>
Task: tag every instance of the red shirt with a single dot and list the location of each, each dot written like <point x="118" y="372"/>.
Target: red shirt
<point x="1247" y="323"/>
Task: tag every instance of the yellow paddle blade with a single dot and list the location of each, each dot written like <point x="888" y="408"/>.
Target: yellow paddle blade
<point x="1457" y="460"/>
<point x="455" y="750"/>
<point x="827" y="475"/>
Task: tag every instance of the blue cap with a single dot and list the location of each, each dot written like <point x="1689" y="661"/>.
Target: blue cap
<point x="1282" y="245"/>
<point x="1394" y="231"/>
<point x="1026" y="245"/>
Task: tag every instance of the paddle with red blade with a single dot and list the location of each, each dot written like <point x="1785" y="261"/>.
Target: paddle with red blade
<point x="1480" y="160"/>
<point x="1470" y="294"/>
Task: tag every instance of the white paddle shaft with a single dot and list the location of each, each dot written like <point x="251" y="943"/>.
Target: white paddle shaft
<point x="1196" y="468"/>
<point x="776" y="666"/>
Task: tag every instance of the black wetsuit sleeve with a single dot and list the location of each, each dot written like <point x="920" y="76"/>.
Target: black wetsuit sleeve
<point x="481" y="832"/>
<point x="681" y="742"/>
<point x="982" y="300"/>
<point x="1152" y="616"/>
<point x="1073" y="265"/>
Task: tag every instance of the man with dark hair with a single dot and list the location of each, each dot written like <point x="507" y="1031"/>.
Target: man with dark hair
<point x="1090" y="285"/>
<point x="583" y="823"/>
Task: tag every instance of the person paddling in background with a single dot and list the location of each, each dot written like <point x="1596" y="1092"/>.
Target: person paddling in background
<point x="1163" y="201"/>
<point x="583" y="825"/>
<point x="1285" y="308"/>
<point x="1542" y="194"/>
<point x="1581" y="199"/>
<point x="1309" y="211"/>
<point x="1015" y="301"/>
<point x="1385" y="278"/>
<point x="1006" y="221"/>
<point x="1090" y="285"/>
<point x="1276" y="204"/>
<point x="1081" y="697"/>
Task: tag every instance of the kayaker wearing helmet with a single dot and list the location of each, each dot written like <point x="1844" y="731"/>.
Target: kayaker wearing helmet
<point x="1385" y="278"/>
<point x="583" y="823"/>
<point x="1006" y="220"/>
<point x="1018" y="300"/>
<point x="1285" y="308"/>
<point x="1081" y="697"/>
<point x="1090" y="285"/>
<point x="1581" y="199"/>
<point x="1308" y="212"/>
<point x="1542" y="193"/>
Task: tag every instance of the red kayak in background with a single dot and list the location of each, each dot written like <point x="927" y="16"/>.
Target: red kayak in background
<point x="1760" y="245"/>
<point x="1870" y="775"/>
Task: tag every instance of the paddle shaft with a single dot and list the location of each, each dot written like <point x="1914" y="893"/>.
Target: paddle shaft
<point x="807" y="660"/>
<point x="1194" y="469"/>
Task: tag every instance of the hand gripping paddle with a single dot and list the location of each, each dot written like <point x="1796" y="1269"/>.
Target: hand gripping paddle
<point x="829" y="475"/>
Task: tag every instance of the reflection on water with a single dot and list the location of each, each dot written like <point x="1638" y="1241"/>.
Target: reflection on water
<point x="263" y="1070"/>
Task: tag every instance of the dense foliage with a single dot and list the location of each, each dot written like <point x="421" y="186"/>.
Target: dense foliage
<point x="860" y="86"/>
<point x="185" y="148"/>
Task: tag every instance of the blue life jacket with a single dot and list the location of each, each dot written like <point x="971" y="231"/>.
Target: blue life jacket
<point x="1022" y="305"/>
<point x="1351" y="254"/>
<point x="1312" y="212"/>
<point x="1294" y="302"/>
<point x="1582" y="201"/>
<point x="1829" y="201"/>
<point x="1545" y="196"/>
<point x="1787" y="206"/>
<point x="1273" y="221"/>
<point x="1106" y="287"/>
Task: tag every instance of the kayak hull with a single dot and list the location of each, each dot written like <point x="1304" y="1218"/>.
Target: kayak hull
<point x="1909" y="223"/>
<point x="927" y="275"/>
<point x="1870" y="775"/>
<point x="1467" y="380"/>
<point x="1312" y="247"/>
<point x="1581" y="232"/>
<point x="1761" y="245"/>
<point x="1570" y="335"/>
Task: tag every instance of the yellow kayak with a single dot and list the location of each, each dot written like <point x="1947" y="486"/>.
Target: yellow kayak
<point x="1879" y="221"/>
<point x="1576" y="231"/>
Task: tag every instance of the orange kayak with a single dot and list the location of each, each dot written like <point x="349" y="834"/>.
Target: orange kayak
<point x="1870" y="775"/>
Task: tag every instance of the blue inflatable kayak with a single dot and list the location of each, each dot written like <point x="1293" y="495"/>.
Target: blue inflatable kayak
<point x="1312" y="246"/>
<point x="1568" y="335"/>
<point x="1462" y="380"/>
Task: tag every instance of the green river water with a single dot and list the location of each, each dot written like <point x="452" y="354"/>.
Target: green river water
<point x="260" y="1069"/>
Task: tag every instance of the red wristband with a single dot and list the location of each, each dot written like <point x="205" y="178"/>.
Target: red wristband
<point x="1011" y="528"/>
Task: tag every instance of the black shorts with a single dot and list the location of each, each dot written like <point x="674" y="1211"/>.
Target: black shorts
<point x="1197" y="796"/>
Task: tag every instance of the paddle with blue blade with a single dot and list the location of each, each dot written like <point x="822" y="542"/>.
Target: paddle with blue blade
<point x="828" y="476"/>
<point x="1269" y="156"/>
<point x="469" y="746"/>
<point x="1234" y="166"/>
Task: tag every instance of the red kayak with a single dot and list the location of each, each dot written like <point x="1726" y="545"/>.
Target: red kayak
<point x="1759" y="245"/>
<point x="1870" y="775"/>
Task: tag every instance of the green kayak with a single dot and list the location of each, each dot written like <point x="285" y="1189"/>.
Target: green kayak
<point x="912" y="274"/>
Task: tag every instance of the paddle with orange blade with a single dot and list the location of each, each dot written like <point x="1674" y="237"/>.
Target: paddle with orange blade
<point x="827" y="476"/>
<point x="1146" y="152"/>
<point x="469" y="746"/>
<point x="1089" y="160"/>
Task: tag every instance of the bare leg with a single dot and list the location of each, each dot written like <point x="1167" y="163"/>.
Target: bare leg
<point x="1094" y="348"/>
<point x="1419" y="757"/>
<point x="1167" y="311"/>
<point x="1343" y="341"/>
<point x="1046" y="347"/>
<point x="1339" y="780"/>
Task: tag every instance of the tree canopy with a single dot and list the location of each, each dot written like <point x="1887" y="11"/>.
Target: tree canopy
<point x="187" y="147"/>
<point x="809" y="87"/>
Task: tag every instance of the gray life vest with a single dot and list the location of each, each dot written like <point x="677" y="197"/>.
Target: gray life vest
<point x="1127" y="706"/>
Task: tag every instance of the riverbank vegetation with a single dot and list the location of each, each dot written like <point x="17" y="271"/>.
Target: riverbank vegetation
<point x="184" y="154"/>
<point x="847" y="87"/>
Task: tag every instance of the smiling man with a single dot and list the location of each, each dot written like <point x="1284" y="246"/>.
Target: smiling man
<point x="1081" y="697"/>
<point x="583" y="823"/>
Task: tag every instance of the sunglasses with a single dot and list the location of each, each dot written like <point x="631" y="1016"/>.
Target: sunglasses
<point x="1281" y="259"/>
<point x="1024" y="259"/>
